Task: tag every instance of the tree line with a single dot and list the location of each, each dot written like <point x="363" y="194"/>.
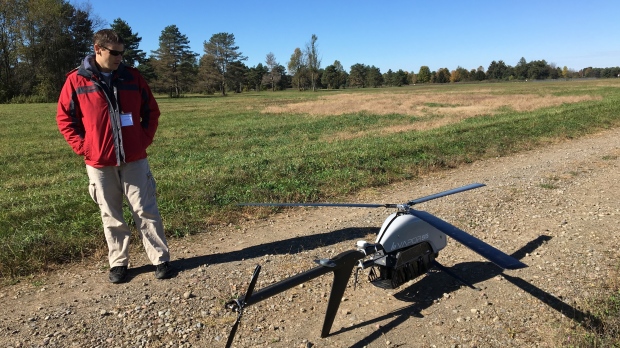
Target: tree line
<point x="42" y="40"/>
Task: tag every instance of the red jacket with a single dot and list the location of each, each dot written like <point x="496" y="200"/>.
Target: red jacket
<point x="89" y="115"/>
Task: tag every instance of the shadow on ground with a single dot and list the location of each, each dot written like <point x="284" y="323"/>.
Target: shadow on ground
<point x="285" y="246"/>
<point x="435" y="284"/>
<point x="421" y="294"/>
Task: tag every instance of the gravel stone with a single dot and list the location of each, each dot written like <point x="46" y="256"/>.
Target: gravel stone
<point x="554" y="207"/>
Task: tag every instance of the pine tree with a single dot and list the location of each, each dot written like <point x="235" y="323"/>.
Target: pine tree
<point x="174" y="63"/>
<point x="133" y="55"/>
<point x="217" y="62"/>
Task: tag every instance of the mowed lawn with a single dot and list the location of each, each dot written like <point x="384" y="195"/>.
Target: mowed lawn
<point x="212" y="152"/>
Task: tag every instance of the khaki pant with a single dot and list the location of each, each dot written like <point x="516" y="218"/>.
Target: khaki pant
<point x="108" y="186"/>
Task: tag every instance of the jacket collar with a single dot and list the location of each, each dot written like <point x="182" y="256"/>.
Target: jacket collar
<point x="88" y="68"/>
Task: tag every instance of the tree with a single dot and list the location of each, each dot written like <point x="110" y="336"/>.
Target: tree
<point x="313" y="62"/>
<point x="424" y="75"/>
<point x="133" y="55"/>
<point x="284" y="80"/>
<point x="498" y="71"/>
<point x="147" y="70"/>
<point x="538" y="70"/>
<point x="479" y="74"/>
<point x="57" y="37"/>
<point x="10" y="41"/>
<point x="610" y="72"/>
<point x="81" y="31"/>
<point x="521" y="69"/>
<point x="465" y="75"/>
<point x="554" y="71"/>
<point x="342" y="75"/>
<point x="401" y="78"/>
<point x="455" y="76"/>
<point x="357" y="76"/>
<point x="174" y="62"/>
<point x="238" y="76"/>
<point x="398" y="78"/>
<point x="334" y="76"/>
<point x="442" y="76"/>
<point x="458" y="75"/>
<point x="40" y="41"/>
<point x="319" y="78"/>
<point x="221" y="52"/>
<point x="255" y="76"/>
<point x="388" y="78"/>
<point x="297" y="68"/>
<point x="373" y="77"/>
<point x="329" y="77"/>
<point x="274" y="74"/>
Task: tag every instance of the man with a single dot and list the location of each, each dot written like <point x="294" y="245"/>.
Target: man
<point x="108" y="115"/>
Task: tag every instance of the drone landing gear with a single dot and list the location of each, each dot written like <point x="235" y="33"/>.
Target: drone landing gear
<point x="342" y="267"/>
<point x="454" y="275"/>
<point x="239" y="304"/>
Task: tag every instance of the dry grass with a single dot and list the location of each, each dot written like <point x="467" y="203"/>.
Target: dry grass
<point x="465" y="104"/>
<point x="434" y="109"/>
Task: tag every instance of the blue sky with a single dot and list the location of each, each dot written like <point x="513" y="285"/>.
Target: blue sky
<point x="390" y="34"/>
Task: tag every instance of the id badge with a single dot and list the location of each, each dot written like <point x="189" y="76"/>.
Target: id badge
<point x="126" y="119"/>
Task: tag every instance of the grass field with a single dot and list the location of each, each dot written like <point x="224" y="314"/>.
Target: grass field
<point x="212" y="152"/>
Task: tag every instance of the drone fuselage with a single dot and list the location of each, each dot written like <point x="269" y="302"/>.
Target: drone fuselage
<point x="406" y="248"/>
<point x="402" y="230"/>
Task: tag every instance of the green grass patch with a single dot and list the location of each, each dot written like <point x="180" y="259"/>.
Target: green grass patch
<point x="213" y="152"/>
<point x="602" y="327"/>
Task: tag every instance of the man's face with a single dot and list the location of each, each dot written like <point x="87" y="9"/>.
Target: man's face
<point x="109" y="57"/>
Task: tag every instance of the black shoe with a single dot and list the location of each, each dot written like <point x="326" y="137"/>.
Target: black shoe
<point x="163" y="271"/>
<point x="118" y="274"/>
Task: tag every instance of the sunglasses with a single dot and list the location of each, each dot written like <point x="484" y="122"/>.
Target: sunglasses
<point x="114" y="52"/>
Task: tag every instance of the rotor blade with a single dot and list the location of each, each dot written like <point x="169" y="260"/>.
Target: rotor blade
<point x="366" y="205"/>
<point x="353" y="205"/>
<point x="487" y="251"/>
<point x="445" y="193"/>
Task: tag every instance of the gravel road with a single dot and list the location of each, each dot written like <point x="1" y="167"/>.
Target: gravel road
<point x="554" y="208"/>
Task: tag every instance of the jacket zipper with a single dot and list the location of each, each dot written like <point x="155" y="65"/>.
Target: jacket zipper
<point x="115" y="123"/>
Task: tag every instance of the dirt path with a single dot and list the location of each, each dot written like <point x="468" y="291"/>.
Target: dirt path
<point x="555" y="208"/>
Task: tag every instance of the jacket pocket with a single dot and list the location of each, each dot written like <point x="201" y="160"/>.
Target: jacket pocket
<point x="151" y="185"/>
<point x="146" y="139"/>
<point x="92" y="190"/>
<point x="86" y="150"/>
